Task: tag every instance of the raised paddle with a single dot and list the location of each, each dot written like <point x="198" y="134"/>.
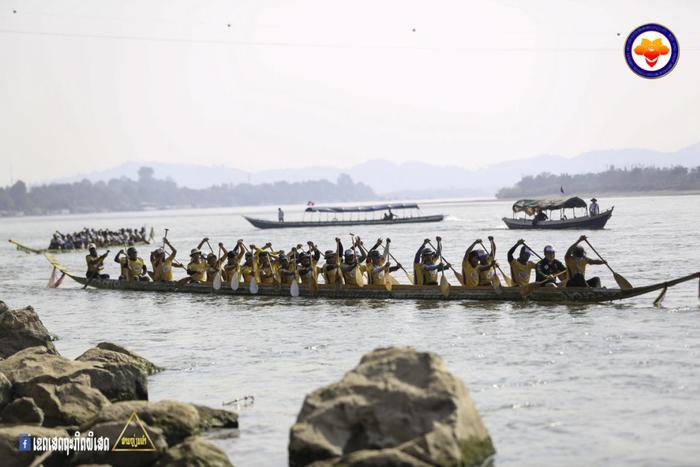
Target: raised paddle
<point x="459" y="276"/>
<point x="621" y="281"/>
<point x="408" y="276"/>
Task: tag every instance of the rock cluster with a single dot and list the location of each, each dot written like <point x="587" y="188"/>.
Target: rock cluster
<point x="45" y="394"/>
<point x="398" y="407"/>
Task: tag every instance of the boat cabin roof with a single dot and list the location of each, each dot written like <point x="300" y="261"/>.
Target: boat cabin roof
<point x="530" y="206"/>
<point x="376" y="207"/>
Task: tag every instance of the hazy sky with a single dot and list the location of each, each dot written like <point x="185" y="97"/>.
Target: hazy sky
<point x="86" y="85"/>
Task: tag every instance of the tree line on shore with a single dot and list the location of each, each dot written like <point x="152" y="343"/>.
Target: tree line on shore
<point x="124" y="194"/>
<point x="676" y="178"/>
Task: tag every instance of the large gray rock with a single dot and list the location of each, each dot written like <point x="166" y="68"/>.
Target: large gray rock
<point x="177" y="420"/>
<point x="112" y="430"/>
<point x="194" y="452"/>
<point x="20" y="329"/>
<point x="10" y="456"/>
<point x="22" y="411"/>
<point x="215" y="418"/>
<point x="115" y="355"/>
<point x="68" y="404"/>
<point x="36" y="365"/>
<point x="5" y="390"/>
<point x="397" y="407"/>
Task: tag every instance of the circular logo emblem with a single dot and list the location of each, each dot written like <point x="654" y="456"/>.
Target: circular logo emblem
<point x="651" y="51"/>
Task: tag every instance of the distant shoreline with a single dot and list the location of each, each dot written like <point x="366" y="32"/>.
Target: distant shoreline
<point x="611" y="194"/>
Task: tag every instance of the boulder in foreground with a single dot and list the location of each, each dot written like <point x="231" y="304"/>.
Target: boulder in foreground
<point x="397" y="407"/>
<point x="21" y="329"/>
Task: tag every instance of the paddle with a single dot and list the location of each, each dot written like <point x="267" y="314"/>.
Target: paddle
<point x="216" y="283"/>
<point x="182" y="282"/>
<point x="235" y="280"/>
<point x="294" y="286"/>
<point x="444" y="285"/>
<point x="253" y="286"/>
<point x="459" y="276"/>
<point x="527" y="290"/>
<point x="533" y="251"/>
<point x="621" y="281"/>
<point x="408" y="276"/>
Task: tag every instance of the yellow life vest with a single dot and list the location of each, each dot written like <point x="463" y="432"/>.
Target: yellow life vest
<point x="471" y="274"/>
<point x="228" y="271"/>
<point x="247" y="273"/>
<point x="198" y="271"/>
<point x="93" y="265"/>
<point x="520" y="273"/>
<point x="350" y="276"/>
<point x="164" y="271"/>
<point x="330" y="274"/>
<point x="135" y="267"/>
<point x="425" y="277"/>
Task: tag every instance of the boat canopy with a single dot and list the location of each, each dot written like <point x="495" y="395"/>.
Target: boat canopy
<point x="376" y="207"/>
<point x="531" y="206"/>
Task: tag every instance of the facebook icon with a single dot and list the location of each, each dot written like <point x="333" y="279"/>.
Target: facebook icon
<point x="25" y="443"/>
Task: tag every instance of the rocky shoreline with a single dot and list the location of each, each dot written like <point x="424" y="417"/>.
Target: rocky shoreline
<point x="398" y="407"/>
<point x="44" y="394"/>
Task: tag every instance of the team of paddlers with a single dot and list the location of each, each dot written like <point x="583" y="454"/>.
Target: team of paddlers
<point x="356" y="266"/>
<point x="101" y="238"/>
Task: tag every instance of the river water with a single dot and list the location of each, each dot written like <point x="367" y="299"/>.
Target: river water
<point x="556" y="385"/>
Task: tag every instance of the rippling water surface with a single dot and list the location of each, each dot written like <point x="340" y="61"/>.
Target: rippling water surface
<point x="556" y="385"/>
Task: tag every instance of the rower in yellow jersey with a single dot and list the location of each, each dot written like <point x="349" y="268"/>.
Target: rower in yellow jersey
<point x="233" y="261"/>
<point x="331" y="272"/>
<point x="378" y="265"/>
<point x="95" y="263"/>
<point x="162" y="265"/>
<point x="471" y="267"/>
<point x="520" y="267"/>
<point x="427" y="264"/>
<point x="248" y="269"/>
<point x="284" y="269"/>
<point x="487" y="273"/>
<point x="197" y="267"/>
<point x="576" y="262"/>
<point x="135" y="266"/>
<point x="352" y="267"/>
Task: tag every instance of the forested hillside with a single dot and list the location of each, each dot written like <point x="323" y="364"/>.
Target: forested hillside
<point x="612" y="180"/>
<point x="124" y="194"/>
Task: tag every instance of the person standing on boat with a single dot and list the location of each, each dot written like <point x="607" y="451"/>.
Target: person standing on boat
<point x="427" y="264"/>
<point x="280" y="215"/>
<point x="352" y="263"/>
<point x="95" y="263"/>
<point x="593" y="208"/>
<point x="576" y="262"/>
<point x="520" y="268"/>
<point x="549" y="267"/>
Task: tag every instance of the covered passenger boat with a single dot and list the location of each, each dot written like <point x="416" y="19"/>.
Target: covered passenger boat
<point x="556" y="214"/>
<point x="326" y="216"/>
<point x="397" y="292"/>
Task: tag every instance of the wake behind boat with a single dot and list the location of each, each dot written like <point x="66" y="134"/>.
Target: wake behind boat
<point x="536" y="218"/>
<point x="347" y="216"/>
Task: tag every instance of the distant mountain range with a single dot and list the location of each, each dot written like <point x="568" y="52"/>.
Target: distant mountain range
<point x="412" y="179"/>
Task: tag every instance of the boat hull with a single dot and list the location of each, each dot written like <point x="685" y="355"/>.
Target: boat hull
<point x="42" y="251"/>
<point x="586" y="222"/>
<point x="267" y="224"/>
<point x="398" y="292"/>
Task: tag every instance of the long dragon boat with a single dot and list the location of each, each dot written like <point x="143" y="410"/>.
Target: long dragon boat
<point x="40" y="251"/>
<point x="397" y="292"/>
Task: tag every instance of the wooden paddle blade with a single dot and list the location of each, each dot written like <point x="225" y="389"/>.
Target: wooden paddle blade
<point x="660" y="298"/>
<point x="294" y="289"/>
<point x="527" y="290"/>
<point x="253" y="288"/>
<point x="460" y="277"/>
<point x="387" y="282"/>
<point x="216" y="283"/>
<point x="235" y="281"/>
<point x="52" y="278"/>
<point x="622" y="282"/>
<point x="444" y="286"/>
<point x="313" y="283"/>
<point x="496" y="284"/>
<point x="359" y="280"/>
